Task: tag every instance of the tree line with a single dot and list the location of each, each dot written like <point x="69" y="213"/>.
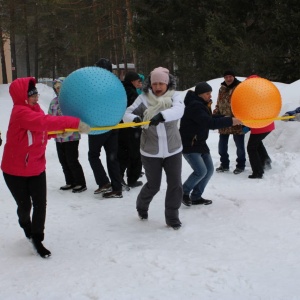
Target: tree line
<point x="196" y="40"/>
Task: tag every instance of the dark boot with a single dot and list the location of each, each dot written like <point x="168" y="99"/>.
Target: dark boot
<point x="41" y="250"/>
<point x="186" y="200"/>
<point x="201" y="201"/>
<point x="256" y="175"/>
<point x="27" y="229"/>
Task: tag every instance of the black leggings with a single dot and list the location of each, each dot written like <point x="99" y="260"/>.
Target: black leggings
<point x="27" y="192"/>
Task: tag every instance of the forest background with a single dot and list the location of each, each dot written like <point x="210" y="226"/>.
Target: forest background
<point x="196" y="40"/>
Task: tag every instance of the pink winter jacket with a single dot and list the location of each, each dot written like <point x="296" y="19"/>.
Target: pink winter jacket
<point x="265" y="129"/>
<point x="26" y="138"/>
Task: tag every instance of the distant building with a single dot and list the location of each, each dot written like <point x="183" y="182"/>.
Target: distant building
<point x="121" y="69"/>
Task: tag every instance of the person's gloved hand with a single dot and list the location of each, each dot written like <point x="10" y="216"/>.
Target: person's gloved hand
<point x="156" y="120"/>
<point x="285" y="120"/>
<point x="84" y="128"/>
<point x="245" y="129"/>
<point x="137" y="120"/>
<point x="0" y="141"/>
<point x="297" y="117"/>
<point x="64" y="135"/>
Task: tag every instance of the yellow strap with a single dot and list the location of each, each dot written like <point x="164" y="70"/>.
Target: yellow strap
<point x="271" y="119"/>
<point x="133" y="124"/>
<point x="118" y="126"/>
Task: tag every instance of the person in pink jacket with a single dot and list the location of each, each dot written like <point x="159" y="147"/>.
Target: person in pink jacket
<point x="23" y="162"/>
<point x="258" y="155"/>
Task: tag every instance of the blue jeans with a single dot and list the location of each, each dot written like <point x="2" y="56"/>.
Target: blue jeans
<point x="240" y="150"/>
<point x="203" y="168"/>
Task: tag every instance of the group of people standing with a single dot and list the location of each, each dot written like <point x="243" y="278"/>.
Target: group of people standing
<point x="157" y="147"/>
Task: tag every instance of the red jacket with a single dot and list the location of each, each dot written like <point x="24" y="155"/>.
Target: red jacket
<point x="26" y="138"/>
<point x="265" y="129"/>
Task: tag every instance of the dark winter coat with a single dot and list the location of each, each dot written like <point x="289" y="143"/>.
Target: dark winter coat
<point x="131" y="92"/>
<point x="196" y="122"/>
<point x="223" y="106"/>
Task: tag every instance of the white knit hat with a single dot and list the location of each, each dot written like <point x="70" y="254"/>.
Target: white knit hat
<point x="160" y="74"/>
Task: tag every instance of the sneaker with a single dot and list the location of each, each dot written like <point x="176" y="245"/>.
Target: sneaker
<point x="201" y="201"/>
<point x="175" y="226"/>
<point x="41" y="250"/>
<point x="136" y="184"/>
<point x="125" y="187"/>
<point x="105" y="188"/>
<point x="143" y="215"/>
<point x="222" y="169"/>
<point x="186" y="200"/>
<point x="66" y="187"/>
<point x="113" y="194"/>
<point x="255" y="176"/>
<point x="238" y="171"/>
<point x="79" y="189"/>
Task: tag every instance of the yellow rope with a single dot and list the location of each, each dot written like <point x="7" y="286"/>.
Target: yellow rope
<point x="118" y="126"/>
<point x="133" y="124"/>
<point x="271" y="119"/>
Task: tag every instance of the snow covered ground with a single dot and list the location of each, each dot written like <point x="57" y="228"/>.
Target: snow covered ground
<point x="244" y="246"/>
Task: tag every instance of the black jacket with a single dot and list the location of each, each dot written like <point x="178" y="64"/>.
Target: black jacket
<point x="131" y="92"/>
<point x="196" y="122"/>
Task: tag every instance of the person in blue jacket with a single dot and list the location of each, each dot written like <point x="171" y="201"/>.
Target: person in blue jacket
<point x="194" y="129"/>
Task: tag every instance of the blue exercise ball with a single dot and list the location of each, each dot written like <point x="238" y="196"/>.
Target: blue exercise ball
<point x="94" y="95"/>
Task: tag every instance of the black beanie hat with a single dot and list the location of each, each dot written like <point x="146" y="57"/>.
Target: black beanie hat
<point x="104" y="63"/>
<point x="202" y="87"/>
<point x="229" y="72"/>
<point x="131" y="76"/>
<point x="32" y="90"/>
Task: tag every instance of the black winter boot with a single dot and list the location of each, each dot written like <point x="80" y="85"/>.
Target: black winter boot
<point x="256" y="176"/>
<point x="186" y="200"/>
<point x="41" y="250"/>
<point x="27" y="232"/>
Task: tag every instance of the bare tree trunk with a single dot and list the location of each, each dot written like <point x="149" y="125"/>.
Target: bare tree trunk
<point x="3" y="64"/>
<point x="26" y="39"/>
<point x="122" y="36"/>
<point x="12" y="41"/>
<point x="36" y="43"/>
<point x="131" y="32"/>
<point x="113" y="37"/>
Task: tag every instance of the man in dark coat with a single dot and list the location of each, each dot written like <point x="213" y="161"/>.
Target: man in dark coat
<point x="194" y="129"/>
<point x="129" y="138"/>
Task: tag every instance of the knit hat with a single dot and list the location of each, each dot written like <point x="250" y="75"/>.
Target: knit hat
<point x="104" y="63"/>
<point x="252" y="76"/>
<point x="32" y="88"/>
<point x="160" y="74"/>
<point x="229" y="72"/>
<point x="32" y="92"/>
<point x="202" y="87"/>
<point x="131" y="76"/>
<point x="58" y="82"/>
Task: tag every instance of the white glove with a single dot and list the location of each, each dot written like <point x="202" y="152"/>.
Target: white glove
<point x="285" y="115"/>
<point x="297" y="118"/>
<point x="64" y="135"/>
<point x="84" y="128"/>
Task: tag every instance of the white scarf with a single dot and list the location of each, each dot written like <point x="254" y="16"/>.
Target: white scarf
<point x="157" y="104"/>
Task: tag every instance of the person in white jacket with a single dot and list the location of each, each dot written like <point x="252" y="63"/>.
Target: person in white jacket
<point x="161" y="144"/>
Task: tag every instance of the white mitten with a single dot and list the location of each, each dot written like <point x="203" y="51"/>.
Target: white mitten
<point x="84" y="128"/>
<point x="64" y="135"/>
<point x="297" y="118"/>
<point x="285" y="120"/>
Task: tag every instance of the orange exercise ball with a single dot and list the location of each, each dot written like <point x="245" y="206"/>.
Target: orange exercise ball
<point x="256" y="100"/>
